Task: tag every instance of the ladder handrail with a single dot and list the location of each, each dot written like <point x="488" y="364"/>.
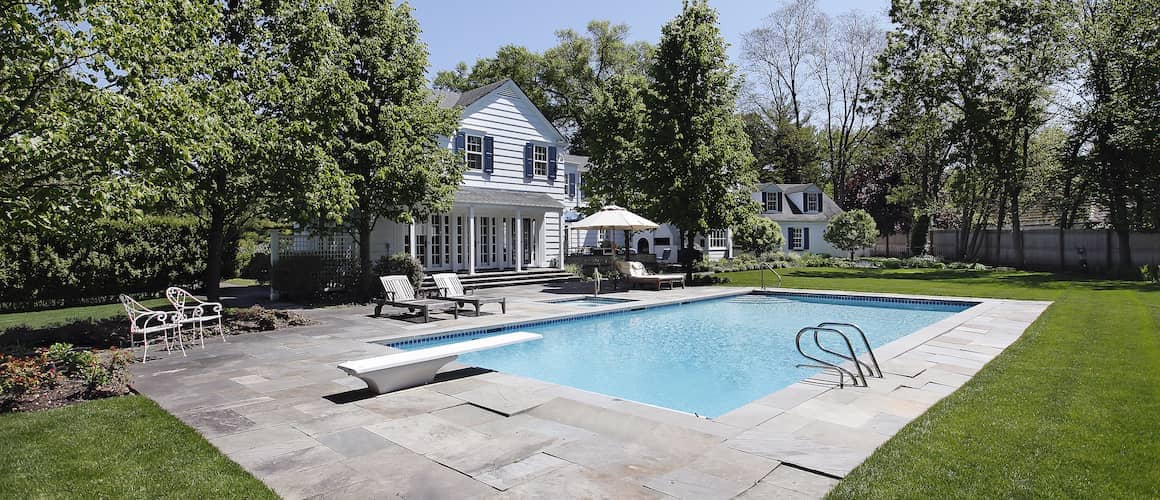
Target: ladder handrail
<point x="876" y="370"/>
<point x="764" y="266"/>
<point x="857" y="365"/>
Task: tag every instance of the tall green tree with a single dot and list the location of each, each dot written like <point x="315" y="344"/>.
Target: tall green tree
<point x="617" y="126"/>
<point x="986" y="67"/>
<point x="66" y="131"/>
<point x="239" y="117"/>
<point x="1114" y="131"/>
<point x="390" y="146"/>
<point x="511" y="61"/>
<point x="700" y="169"/>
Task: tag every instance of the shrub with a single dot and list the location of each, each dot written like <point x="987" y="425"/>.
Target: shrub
<point x="400" y="263"/>
<point x="759" y="235"/>
<point x="574" y="269"/>
<point x="1150" y="272"/>
<point x="28" y="373"/>
<point x="923" y="262"/>
<point x="112" y="257"/>
<point x="851" y="231"/>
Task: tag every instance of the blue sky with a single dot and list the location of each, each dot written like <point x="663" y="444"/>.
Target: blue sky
<point x="462" y="30"/>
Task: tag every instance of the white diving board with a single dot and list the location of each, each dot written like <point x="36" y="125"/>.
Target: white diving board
<point x="405" y="369"/>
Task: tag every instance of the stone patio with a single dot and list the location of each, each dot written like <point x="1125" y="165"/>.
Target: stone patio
<point x="276" y="404"/>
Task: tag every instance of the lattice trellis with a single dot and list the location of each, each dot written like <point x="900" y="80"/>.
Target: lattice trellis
<point x="336" y="257"/>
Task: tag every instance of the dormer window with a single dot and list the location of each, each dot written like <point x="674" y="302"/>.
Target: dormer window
<point x="771" y="202"/>
<point x="474" y="151"/>
<point x="813" y="202"/>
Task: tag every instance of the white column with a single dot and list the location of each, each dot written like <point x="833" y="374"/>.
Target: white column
<point x="505" y="232"/>
<point x="471" y="240"/>
<point x="560" y="238"/>
<point x="519" y="242"/>
<point x="411" y="236"/>
<point x="453" y="241"/>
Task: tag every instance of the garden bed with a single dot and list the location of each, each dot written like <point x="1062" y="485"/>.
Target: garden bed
<point x="55" y="365"/>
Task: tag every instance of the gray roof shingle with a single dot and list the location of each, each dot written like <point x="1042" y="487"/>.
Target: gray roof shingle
<point x="471" y="195"/>
<point x="449" y="99"/>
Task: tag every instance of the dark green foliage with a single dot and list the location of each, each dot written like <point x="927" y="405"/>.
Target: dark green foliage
<point x="109" y="258"/>
<point x="851" y="231"/>
<point x="400" y="263"/>
<point x="1150" y="272"/>
<point x="759" y="235"/>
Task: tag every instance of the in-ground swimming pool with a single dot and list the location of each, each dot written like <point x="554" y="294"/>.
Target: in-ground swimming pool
<point x="706" y="357"/>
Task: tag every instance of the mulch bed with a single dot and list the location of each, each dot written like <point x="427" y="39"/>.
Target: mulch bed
<point x="68" y="392"/>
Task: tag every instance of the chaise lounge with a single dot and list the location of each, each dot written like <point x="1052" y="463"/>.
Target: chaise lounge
<point x="637" y="274"/>
<point x="450" y="288"/>
<point x="398" y="292"/>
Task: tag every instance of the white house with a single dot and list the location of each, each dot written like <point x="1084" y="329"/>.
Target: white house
<point x="802" y="211"/>
<point x="508" y="212"/>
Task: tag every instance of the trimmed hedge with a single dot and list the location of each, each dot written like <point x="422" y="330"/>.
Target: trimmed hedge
<point x="108" y="258"/>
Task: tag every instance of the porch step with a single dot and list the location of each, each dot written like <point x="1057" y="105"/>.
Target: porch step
<point x="505" y="278"/>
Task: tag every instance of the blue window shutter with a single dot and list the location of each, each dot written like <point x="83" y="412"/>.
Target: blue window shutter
<point x="488" y="154"/>
<point x="778" y="195"/>
<point x="460" y="142"/>
<point x="571" y="185"/>
<point x="551" y="163"/>
<point x="528" y="160"/>
<point x="789" y="238"/>
<point x="764" y="200"/>
<point x="806" y="238"/>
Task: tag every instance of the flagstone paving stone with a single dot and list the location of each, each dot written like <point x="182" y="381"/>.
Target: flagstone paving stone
<point x="275" y="403"/>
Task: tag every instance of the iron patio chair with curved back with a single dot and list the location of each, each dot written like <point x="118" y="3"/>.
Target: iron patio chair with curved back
<point x="144" y="321"/>
<point x="196" y="312"/>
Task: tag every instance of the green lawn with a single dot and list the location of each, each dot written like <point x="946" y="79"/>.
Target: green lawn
<point x="125" y="447"/>
<point x="1070" y="410"/>
<point x="52" y="317"/>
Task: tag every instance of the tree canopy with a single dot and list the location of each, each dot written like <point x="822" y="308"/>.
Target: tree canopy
<point x="851" y="230"/>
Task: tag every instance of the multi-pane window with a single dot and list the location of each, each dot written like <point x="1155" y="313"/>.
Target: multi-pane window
<point x="717" y="238"/>
<point x="474" y="151"/>
<point x="484" y="239"/>
<point x="813" y="202"/>
<point x="540" y="160"/>
<point x="796" y="238"/>
<point x="459" y="240"/>
<point x="662" y="241"/>
<point x="571" y="189"/>
<point x="769" y="200"/>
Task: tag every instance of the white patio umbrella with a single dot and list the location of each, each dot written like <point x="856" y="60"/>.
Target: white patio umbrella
<point x="615" y="218"/>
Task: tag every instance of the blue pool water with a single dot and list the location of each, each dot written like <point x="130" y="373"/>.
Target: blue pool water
<point x="705" y="357"/>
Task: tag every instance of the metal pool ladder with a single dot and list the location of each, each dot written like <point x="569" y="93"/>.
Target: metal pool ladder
<point x="764" y="266"/>
<point x="834" y="328"/>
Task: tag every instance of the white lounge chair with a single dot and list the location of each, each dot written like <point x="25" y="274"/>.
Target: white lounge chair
<point x="450" y="288"/>
<point x="398" y="292"/>
<point x="405" y="369"/>
<point x="145" y="322"/>
<point x="636" y="273"/>
<point x="195" y="312"/>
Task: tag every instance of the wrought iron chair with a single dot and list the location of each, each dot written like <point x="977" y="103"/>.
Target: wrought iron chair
<point x="196" y="312"/>
<point x="144" y="321"/>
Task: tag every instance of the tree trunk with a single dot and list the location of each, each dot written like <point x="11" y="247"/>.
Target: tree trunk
<point x="1017" y="232"/>
<point x="690" y="236"/>
<point x="918" y="234"/>
<point x="213" y="264"/>
<point x="998" y="258"/>
<point x="1125" y="236"/>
